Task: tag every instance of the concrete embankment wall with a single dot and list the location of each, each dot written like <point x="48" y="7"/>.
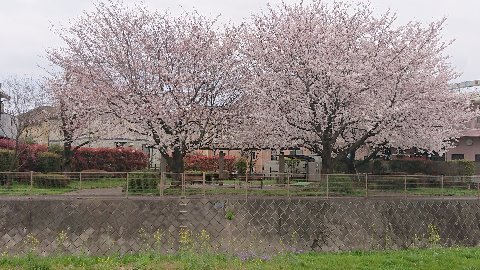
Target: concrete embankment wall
<point x="112" y="226"/>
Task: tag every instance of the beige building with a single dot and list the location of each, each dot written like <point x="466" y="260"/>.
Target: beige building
<point x="468" y="145"/>
<point x="48" y="132"/>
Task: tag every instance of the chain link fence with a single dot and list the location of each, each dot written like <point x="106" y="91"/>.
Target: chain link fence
<point x="247" y="228"/>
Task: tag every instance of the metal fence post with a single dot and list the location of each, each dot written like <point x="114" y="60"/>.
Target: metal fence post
<point x="162" y="178"/>
<point x="405" y="187"/>
<point x="327" y="185"/>
<point x="126" y="189"/>
<point x="183" y="184"/>
<point x="366" y="185"/>
<point x="246" y="186"/>
<point x="31" y="182"/>
<point x="288" y="185"/>
<point x="80" y="181"/>
<point x="203" y="183"/>
<point x="478" y="188"/>
<point x="442" y="190"/>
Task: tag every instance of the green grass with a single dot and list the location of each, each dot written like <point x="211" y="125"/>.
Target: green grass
<point x="421" y="259"/>
<point x="25" y="189"/>
<point x="444" y="192"/>
<point x="338" y="187"/>
<point x="100" y="183"/>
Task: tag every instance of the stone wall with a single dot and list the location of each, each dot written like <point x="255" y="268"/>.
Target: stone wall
<point x="259" y="226"/>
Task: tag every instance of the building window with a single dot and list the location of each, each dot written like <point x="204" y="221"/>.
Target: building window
<point x="458" y="156"/>
<point x="477" y="157"/>
<point x="120" y="144"/>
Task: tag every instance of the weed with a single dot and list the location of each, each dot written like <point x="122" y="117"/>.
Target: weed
<point x="229" y="215"/>
<point x="433" y="235"/>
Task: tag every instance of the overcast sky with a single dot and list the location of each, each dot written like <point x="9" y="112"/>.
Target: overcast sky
<point x="25" y="26"/>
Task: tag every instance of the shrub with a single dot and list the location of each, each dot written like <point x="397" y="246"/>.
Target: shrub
<point x="204" y="163"/>
<point x="56" y="148"/>
<point x="428" y="167"/>
<point x="122" y="159"/>
<point x="6" y="157"/>
<point x="27" y="153"/>
<point x="48" y="162"/>
<point x="459" y="167"/>
<point x="341" y="184"/>
<point x="143" y="182"/>
<point x="377" y="167"/>
<point x="241" y="166"/>
<point x="413" y="166"/>
<point x="50" y="180"/>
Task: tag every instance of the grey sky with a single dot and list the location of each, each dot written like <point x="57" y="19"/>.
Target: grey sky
<point x="25" y="26"/>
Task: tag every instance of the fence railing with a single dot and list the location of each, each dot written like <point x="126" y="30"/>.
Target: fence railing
<point x="203" y="184"/>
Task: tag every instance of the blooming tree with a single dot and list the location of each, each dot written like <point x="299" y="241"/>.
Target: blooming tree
<point x="175" y="80"/>
<point x="338" y="78"/>
<point x="75" y="116"/>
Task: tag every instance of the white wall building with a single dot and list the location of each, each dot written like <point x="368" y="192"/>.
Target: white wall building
<point x="7" y="126"/>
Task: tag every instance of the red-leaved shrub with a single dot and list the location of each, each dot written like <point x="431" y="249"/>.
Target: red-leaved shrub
<point x="27" y="153"/>
<point x="204" y="163"/>
<point x="122" y="159"/>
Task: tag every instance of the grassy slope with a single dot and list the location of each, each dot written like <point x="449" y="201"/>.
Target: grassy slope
<point x="455" y="258"/>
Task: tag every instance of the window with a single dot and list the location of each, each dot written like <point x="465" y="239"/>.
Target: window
<point x="457" y="156"/>
<point x="120" y="144"/>
<point x="477" y="157"/>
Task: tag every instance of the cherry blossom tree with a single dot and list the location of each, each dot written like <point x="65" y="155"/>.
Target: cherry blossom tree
<point x="75" y="116"/>
<point x="175" y="80"/>
<point x="338" y="78"/>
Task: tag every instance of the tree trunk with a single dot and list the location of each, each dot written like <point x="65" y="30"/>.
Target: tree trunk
<point x="177" y="166"/>
<point x="67" y="156"/>
<point x="281" y="168"/>
<point x="327" y="160"/>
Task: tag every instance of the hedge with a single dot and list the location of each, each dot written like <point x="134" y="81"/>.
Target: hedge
<point x="204" y="163"/>
<point x="48" y="162"/>
<point x="5" y="159"/>
<point x="122" y="159"/>
<point x="27" y="153"/>
<point x="36" y="157"/>
<point x="429" y="167"/>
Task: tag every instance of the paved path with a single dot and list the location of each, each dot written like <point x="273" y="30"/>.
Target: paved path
<point x="107" y="192"/>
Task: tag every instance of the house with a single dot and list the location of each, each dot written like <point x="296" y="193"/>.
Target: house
<point x="468" y="145"/>
<point x="7" y="125"/>
<point x="48" y="132"/>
